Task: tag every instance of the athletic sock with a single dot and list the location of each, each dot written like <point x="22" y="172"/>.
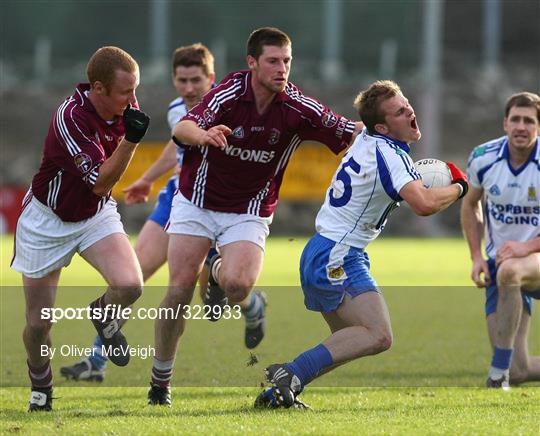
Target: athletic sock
<point x="500" y="363"/>
<point x="214" y="272"/>
<point x="254" y="311"/>
<point x="210" y="255"/>
<point x="40" y="376"/>
<point x="97" y="359"/>
<point x="162" y="372"/>
<point x="100" y="304"/>
<point x="310" y="363"/>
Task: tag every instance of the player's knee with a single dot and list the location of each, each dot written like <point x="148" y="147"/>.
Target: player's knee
<point x="237" y="290"/>
<point x="237" y="295"/>
<point x="38" y="329"/>
<point x="132" y="291"/>
<point x="384" y="341"/>
<point x="509" y="273"/>
<point x="131" y="286"/>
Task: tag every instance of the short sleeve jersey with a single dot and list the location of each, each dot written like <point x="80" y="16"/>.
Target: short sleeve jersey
<point x="176" y="111"/>
<point x="246" y="176"/>
<point x="511" y="195"/>
<point x="365" y="190"/>
<point x="77" y="144"/>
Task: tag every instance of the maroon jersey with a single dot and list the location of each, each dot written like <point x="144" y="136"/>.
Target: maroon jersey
<point x="246" y="176"/>
<point x="78" y="142"/>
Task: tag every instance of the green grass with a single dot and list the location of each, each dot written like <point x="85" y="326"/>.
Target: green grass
<point x="429" y="382"/>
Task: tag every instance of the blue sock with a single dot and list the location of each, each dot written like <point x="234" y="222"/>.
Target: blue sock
<point x="97" y="359"/>
<point x="254" y="311"/>
<point x="502" y="358"/>
<point x="310" y="363"/>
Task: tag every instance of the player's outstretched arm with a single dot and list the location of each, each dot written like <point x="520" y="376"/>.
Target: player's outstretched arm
<point x="139" y="190"/>
<point x="425" y="202"/>
<point x="136" y="124"/>
<point x="472" y="224"/>
<point x="187" y="132"/>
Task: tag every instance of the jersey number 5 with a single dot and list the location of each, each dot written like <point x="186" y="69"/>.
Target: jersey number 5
<point x="345" y="178"/>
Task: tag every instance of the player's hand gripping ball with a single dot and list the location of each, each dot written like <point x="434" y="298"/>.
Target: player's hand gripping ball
<point x="435" y="173"/>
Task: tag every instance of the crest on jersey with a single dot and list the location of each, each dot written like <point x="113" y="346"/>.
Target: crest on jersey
<point x="274" y="136"/>
<point x="83" y="162"/>
<point x="531" y="194"/>
<point x="329" y="119"/>
<point x="209" y="116"/>
<point x="494" y="190"/>
<point x="336" y="273"/>
<point x="238" y="132"/>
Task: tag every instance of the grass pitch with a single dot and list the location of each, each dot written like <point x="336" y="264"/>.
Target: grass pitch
<point x="429" y="382"/>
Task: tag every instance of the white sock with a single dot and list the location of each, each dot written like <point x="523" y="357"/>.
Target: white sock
<point x="497" y="373"/>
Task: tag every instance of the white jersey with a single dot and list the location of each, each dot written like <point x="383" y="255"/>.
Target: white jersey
<point x="177" y="110"/>
<point x="511" y="196"/>
<point x="365" y="189"/>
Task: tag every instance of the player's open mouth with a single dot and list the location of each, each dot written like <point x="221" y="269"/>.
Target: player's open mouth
<point x="413" y="124"/>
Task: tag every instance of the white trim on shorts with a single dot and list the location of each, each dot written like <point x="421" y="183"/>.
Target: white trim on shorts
<point x="221" y="227"/>
<point x="44" y="243"/>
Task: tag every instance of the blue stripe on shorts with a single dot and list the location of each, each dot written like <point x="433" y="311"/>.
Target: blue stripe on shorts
<point x="329" y="270"/>
<point x="492" y="294"/>
<point x="162" y="210"/>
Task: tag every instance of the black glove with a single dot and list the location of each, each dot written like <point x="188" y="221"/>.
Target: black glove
<point x="136" y="124"/>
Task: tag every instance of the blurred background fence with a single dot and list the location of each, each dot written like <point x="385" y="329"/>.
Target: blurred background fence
<point x="457" y="61"/>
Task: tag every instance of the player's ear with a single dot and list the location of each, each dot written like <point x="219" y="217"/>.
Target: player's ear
<point x="251" y="61"/>
<point x="505" y="124"/>
<point x="381" y="128"/>
<point x="212" y="77"/>
<point x="98" y="87"/>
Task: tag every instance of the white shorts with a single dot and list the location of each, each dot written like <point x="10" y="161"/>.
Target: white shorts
<point x="221" y="227"/>
<point x="44" y="243"/>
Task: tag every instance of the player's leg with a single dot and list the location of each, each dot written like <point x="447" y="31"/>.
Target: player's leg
<point x="336" y="282"/>
<point x="241" y="241"/>
<point x="151" y="248"/>
<point x="186" y="254"/>
<point x="524" y="366"/>
<point x="513" y="276"/>
<point x="151" y="251"/>
<point x="43" y="246"/>
<point x="114" y="257"/>
<point x="361" y="328"/>
<point x="153" y="241"/>
<point x="241" y="265"/>
<point x="240" y="269"/>
<point x="39" y="293"/>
